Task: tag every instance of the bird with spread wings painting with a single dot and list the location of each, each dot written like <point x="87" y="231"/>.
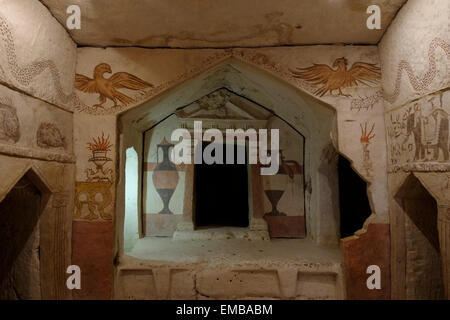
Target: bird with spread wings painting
<point x="107" y="87"/>
<point x="337" y="79"/>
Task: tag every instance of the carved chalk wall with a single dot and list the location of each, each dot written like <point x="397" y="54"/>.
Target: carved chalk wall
<point x="32" y="127"/>
<point x="169" y="70"/>
<point x="419" y="135"/>
<point x="37" y="57"/>
<point x="51" y="169"/>
<point x="415" y="52"/>
<point x="415" y="56"/>
<point x="36" y="53"/>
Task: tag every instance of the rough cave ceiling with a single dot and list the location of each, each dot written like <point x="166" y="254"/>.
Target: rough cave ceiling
<point x="209" y="23"/>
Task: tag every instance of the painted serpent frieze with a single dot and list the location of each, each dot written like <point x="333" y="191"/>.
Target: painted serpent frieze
<point x="422" y="132"/>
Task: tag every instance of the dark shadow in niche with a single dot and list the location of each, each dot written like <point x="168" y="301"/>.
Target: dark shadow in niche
<point x="423" y="259"/>
<point x="354" y="204"/>
<point x="420" y="207"/>
<point x="19" y="240"/>
<point x="221" y="194"/>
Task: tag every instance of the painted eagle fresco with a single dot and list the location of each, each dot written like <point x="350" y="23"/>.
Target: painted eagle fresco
<point x="337" y="79"/>
<point x="107" y="87"/>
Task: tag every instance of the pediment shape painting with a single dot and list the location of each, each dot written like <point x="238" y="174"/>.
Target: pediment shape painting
<point x="223" y="104"/>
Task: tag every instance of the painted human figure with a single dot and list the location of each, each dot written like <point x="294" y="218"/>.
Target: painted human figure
<point x="414" y="125"/>
<point x="441" y="118"/>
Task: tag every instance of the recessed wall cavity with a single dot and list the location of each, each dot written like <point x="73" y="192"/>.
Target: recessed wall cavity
<point x="236" y="94"/>
<point x="423" y="257"/>
<point x="19" y="242"/>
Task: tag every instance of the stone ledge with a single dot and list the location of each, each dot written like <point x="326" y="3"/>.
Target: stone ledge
<point x="421" y="167"/>
<point x="281" y="281"/>
<point x="22" y="152"/>
<point x="222" y="233"/>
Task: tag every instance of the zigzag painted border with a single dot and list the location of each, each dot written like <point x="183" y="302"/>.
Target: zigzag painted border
<point x="25" y="74"/>
<point x="418" y="84"/>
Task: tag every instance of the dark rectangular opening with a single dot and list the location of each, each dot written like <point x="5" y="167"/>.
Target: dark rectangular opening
<point x="221" y="193"/>
<point x="19" y="242"/>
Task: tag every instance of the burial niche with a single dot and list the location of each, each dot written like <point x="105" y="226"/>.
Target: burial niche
<point x="19" y="242"/>
<point x="234" y="195"/>
<point x="221" y="191"/>
<point x="423" y="259"/>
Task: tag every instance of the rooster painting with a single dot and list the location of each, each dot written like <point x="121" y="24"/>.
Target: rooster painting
<point x="107" y="87"/>
<point x="337" y="79"/>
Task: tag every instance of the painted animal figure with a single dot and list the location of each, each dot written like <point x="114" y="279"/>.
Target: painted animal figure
<point x="107" y="87"/>
<point x="9" y="123"/>
<point x="414" y="127"/>
<point x="440" y="137"/>
<point x="49" y="136"/>
<point x="86" y="194"/>
<point x="337" y="79"/>
<point x="442" y="130"/>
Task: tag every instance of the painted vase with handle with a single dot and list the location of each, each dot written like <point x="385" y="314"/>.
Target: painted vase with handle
<point x="165" y="176"/>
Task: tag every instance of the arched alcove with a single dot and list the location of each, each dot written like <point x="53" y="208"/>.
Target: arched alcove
<point x="423" y="265"/>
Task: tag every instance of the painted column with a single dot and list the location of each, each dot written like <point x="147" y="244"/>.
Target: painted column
<point x="93" y="245"/>
<point x="187" y="223"/>
<point x="257" y="223"/>
<point x="60" y="263"/>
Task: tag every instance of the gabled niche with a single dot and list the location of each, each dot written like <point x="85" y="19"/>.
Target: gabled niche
<point x="20" y="212"/>
<point x="423" y="258"/>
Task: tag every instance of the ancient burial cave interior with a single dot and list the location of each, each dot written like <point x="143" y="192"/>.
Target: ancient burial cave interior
<point x="251" y="149"/>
